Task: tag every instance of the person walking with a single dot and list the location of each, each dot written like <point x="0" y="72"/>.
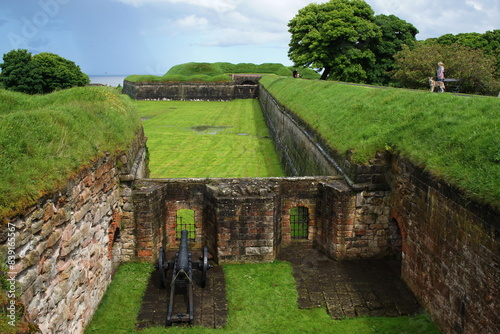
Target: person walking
<point x="440" y="74"/>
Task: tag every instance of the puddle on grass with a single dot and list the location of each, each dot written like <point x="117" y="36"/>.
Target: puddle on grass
<point x="209" y="129"/>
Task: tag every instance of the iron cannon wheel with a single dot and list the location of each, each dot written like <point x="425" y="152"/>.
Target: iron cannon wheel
<point x="162" y="266"/>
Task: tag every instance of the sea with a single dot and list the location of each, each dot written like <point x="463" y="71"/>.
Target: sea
<point x="108" y="80"/>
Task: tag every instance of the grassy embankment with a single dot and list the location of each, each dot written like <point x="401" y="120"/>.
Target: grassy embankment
<point x="45" y="139"/>
<point x="456" y="138"/>
<point x="208" y="139"/>
<point x="262" y="300"/>
<point x="219" y="72"/>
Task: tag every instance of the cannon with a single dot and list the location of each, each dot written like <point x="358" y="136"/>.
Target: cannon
<point x="182" y="279"/>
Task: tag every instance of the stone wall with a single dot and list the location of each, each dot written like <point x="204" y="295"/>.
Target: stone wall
<point x="302" y="151"/>
<point x="248" y="220"/>
<point x="68" y="245"/>
<point x="451" y="250"/>
<point x="242" y="87"/>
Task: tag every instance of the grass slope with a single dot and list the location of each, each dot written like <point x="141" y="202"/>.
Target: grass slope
<point x="208" y="139"/>
<point x="45" y="139"/>
<point x="262" y="300"/>
<point x="456" y="138"/>
<point x="218" y="72"/>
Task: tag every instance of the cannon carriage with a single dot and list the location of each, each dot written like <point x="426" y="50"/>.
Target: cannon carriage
<point x="182" y="282"/>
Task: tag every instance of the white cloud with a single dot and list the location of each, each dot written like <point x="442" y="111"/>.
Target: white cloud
<point x="264" y="22"/>
<point x="217" y="5"/>
<point x="436" y="18"/>
<point x="192" y="22"/>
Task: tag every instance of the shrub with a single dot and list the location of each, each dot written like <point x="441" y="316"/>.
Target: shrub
<point x="40" y="74"/>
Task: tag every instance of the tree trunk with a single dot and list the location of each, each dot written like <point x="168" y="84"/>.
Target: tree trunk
<point x="326" y="73"/>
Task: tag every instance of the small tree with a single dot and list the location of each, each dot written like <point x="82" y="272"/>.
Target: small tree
<point x="39" y="74"/>
<point x="58" y="73"/>
<point x="474" y="69"/>
<point x="19" y="73"/>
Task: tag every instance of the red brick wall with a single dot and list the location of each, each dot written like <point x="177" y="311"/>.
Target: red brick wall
<point x="451" y="251"/>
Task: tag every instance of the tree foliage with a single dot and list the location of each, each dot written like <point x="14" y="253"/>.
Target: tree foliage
<point x="489" y="42"/>
<point x="39" y="74"/>
<point x="335" y="36"/>
<point x="473" y="68"/>
<point x="395" y="34"/>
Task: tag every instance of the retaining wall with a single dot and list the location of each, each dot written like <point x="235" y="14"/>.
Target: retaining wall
<point x="242" y="87"/>
<point x="68" y="245"/>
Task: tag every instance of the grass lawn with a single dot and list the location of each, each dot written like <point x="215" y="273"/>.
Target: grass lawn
<point x="208" y="139"/>
<point x="262" y="299"/>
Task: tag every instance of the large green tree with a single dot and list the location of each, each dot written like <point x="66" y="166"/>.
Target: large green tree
<point x="395" y="34"/>
<point x="334" y="36"/>
<point x="39" y="74"/>
<point x="474" y="69"/>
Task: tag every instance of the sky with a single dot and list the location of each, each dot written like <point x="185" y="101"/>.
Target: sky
<point x="122" y="37"/>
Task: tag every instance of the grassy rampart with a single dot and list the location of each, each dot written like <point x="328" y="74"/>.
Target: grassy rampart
<point x="45" y="139"/>
<point x="456" y="138"/>
<point x="218" y="72"/>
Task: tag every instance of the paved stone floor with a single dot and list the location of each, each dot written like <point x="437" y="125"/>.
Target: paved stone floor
<point x="210" y="304"/>
<point x="345" y="288"/>
<point x="349" y="288"/>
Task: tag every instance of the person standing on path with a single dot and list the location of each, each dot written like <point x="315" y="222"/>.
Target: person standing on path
<point x="440" y="74"/>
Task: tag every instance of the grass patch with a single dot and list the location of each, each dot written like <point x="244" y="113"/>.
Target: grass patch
<point x="208" y="139"/>
<point x="117" y="312"/>
<point x="262" y="300"/>
<point x="454" y="137"/>
<point x="45" y="139"/>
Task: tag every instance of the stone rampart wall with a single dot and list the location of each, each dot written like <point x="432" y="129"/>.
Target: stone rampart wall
<point x="303" y="152"/>
<point x="69" y="244"/>
<point x="189" y="91"/>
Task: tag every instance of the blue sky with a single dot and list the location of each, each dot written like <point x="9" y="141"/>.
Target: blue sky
<point x="121" y="37"/>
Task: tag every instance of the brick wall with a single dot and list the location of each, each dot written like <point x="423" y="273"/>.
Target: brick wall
<point x="451" y="251"/>
<point x="248" y="220"/>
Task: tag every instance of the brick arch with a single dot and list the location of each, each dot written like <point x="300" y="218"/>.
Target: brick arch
<point x="286" y="221"/>
<point x="113" y="233"/>
<point x="397" y="219"/>
<point x="171" y="231"/>
<point x="249" y="82"/>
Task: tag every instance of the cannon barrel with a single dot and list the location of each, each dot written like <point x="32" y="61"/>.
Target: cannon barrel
<point x="183" y="257"/>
